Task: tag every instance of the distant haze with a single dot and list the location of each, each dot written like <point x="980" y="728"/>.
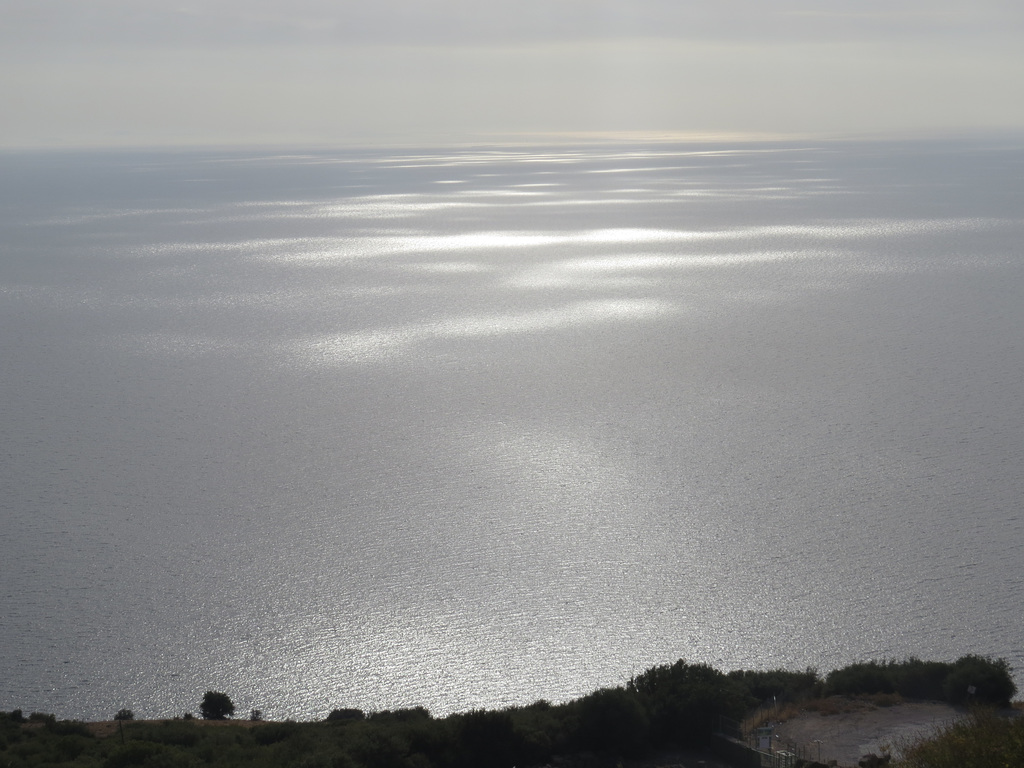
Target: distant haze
<point x="153" y="72"/>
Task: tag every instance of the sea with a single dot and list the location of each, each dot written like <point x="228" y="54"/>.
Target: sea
<point x="469" y="428"/>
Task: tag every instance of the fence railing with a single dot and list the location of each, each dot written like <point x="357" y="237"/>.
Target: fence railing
<point x="761" y="747"/>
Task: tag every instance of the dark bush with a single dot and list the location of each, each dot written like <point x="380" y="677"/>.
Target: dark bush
<point x="990" y="680"/>
<point x="133" y="753"/>
<point x="10" y="730"/>
<point x="613" y="720"/>
<point x="175" y="732"/>
<point x="68" y="748"/>
<point x="545" y="730"/>
<point x="342" y="715"/>
<point x="69" y="728"/>
<point x="488" y="739"/>
<point x="124" y="714"/>
<point x="864" y="677"/>
<point x="379" y="748"/>
<point x="274" y="732"/>
<point x="685" y="701"/>
<point x="916" y="679"/>
<point x="975" y="678"/>
<point x="402" y="715"/>
<point x="778" y="684"/>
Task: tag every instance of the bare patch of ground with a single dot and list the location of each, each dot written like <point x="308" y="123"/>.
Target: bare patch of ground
<point x="861" y="728"/>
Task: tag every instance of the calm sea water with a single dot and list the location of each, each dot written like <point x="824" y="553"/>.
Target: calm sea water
<point x="469" y="429"/>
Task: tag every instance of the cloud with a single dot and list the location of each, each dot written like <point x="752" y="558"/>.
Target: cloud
<point x="474" y="22"/>
<point x="313" y="71"/>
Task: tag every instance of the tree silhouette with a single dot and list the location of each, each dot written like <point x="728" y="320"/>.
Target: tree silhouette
<point x="216" y="706"/>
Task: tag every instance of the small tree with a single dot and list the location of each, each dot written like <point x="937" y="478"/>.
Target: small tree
<point x="216" y="706"/>
<point x="124" y="714"/>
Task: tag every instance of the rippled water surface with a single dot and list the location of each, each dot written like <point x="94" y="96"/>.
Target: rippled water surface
<point x="464" y="429"/>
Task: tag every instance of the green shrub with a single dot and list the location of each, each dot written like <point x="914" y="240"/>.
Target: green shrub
<point x="779" y="684"/>
<point x="990" y="680"/>
<point x="68" y="748"/>
<point x="684" y="701"/>
<point x="916" y="679"/>
<point x="378" y="748"/>
<point x="272" y="733"/>
<point x="546" y="730"/>
<point x="983" y="741"/>
<point x="613" y="720"/>
<point x="975" y="678"/>
<point x="402" y="715"/>
<point x="862" y="678"/>
<point x="133" y="753"/>
<point x="487" y="739"/>
<point x="172" y="732"/>
<point x="345" y="715"/>
<point x="10" y="730"/>
<point x="69" y="728"/>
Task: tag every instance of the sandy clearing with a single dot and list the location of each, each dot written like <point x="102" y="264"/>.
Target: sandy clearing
<point x="848" y="736"/>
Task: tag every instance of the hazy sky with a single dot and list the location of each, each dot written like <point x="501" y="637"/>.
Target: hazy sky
<point x="142" y="72"/>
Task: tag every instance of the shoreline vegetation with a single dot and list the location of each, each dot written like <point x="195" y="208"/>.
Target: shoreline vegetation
<point x="672" y="710"/>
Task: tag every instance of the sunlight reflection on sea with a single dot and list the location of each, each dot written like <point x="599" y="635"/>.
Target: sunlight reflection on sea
<point x="467" y="429"/>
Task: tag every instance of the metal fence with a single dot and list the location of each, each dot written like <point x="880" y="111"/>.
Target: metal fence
<point x="746" y="746"/>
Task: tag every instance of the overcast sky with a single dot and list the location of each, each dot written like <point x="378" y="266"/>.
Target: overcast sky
<point x="148" y="72"/>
